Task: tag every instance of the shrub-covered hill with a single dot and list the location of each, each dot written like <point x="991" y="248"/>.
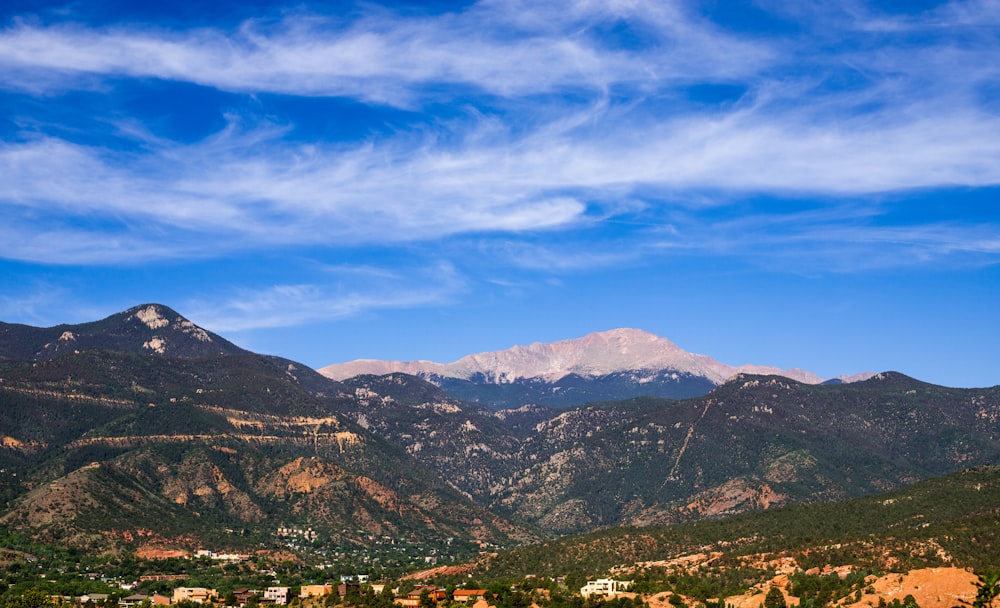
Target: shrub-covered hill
<point x="755" y="442"/>
<point x="953" y="519"/>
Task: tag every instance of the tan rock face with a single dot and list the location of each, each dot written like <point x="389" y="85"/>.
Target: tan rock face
<point x="930" y="587"/>
<point x="16" y="445"/>
<point x="381" y="494"/>
<point x="734" y="496"/>
<point x="12" y="443"/>
<point x="302" y="476"/>
<point x="304" y="483"/>
<point x="147" y="552"/>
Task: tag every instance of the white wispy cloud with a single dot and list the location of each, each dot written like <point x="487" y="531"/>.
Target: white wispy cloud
<point x="352" y="292"/>
<point x="34" y="303"/>
<point x="253" y="185"/>
<point x="382" y="57"/>
<point x="568" y="257"/>
<point x="882" y="115"/>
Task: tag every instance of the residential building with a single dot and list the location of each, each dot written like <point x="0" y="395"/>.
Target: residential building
<point x="604" y="586"/>
<point x="276" y="595"/>
<point x="243" y="595"/>
<point x="307" y="591"/>
<point x="468" y="595"/>
<point x="95" y="598"/>
<point x="132" y="600"/>
<point x="198" y="595"/>
<point x="344" y="588"/>
<point x="412" y="599"/>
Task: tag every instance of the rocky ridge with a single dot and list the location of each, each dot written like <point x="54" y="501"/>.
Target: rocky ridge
<point x="634" y="361"/>
<point x="149" y="329"/>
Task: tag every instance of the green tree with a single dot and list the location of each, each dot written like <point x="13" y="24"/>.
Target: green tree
<point x="774" y="599"/>
<point x="384" y="599"/>
<point x="32" y="598"/>
<point x="515" y="599"/>
<point x="988" y="587"/>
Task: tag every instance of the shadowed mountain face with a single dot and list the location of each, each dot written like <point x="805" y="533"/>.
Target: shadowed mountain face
<point x="752" y="443"/>
<point x="146" y="329"/>
<point x="199" y="436"/>
<point x="574" y="390"/>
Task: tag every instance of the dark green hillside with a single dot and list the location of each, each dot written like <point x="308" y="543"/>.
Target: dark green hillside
<point x="755" y="442"/>
<point x="112" y="443"/>
<point x="242" y="381"/>
<point x="523" y="420"/>
<point x="151" y="329"/>
<point x="573" y="389"/>
<point x="52" y="403"/>
<point x="960" y="513"/>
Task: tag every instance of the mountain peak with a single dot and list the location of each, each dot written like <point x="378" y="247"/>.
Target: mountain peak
<point x="170" y="329"/>
<point x="623" y="338"/>
<point x="595" y="355"/>
<point x="143" y="329"/>
<point x="153" y="316"/>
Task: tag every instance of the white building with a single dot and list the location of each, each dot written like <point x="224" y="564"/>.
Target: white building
<point x="604" y="586"/>
<point x="276" y="595"/>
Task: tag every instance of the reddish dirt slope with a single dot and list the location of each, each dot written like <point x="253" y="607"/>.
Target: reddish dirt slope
<point x="931" y="587"/>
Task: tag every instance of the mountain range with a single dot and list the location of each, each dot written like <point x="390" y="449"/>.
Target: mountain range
<point x="609" y="365"/>
<point x="144" y="426"/>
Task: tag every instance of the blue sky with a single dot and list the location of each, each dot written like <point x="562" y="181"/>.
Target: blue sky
<point x="801" y="184"/>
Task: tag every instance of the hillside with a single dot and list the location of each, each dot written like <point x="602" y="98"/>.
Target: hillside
<point x="145" y="329"/>
<point x="103" y="446"/>
<point x="470" y="447"/>
<point x="753" y="443"/>
<point x="953" y="520"/>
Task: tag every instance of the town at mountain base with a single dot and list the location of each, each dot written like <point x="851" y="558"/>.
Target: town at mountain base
<point x="927" y="546"/>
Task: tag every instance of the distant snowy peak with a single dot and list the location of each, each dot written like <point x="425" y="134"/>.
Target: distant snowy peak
<point x="594" y="355"/>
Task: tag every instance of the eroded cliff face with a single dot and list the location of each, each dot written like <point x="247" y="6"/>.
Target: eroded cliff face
<point x="300" y="476"/>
